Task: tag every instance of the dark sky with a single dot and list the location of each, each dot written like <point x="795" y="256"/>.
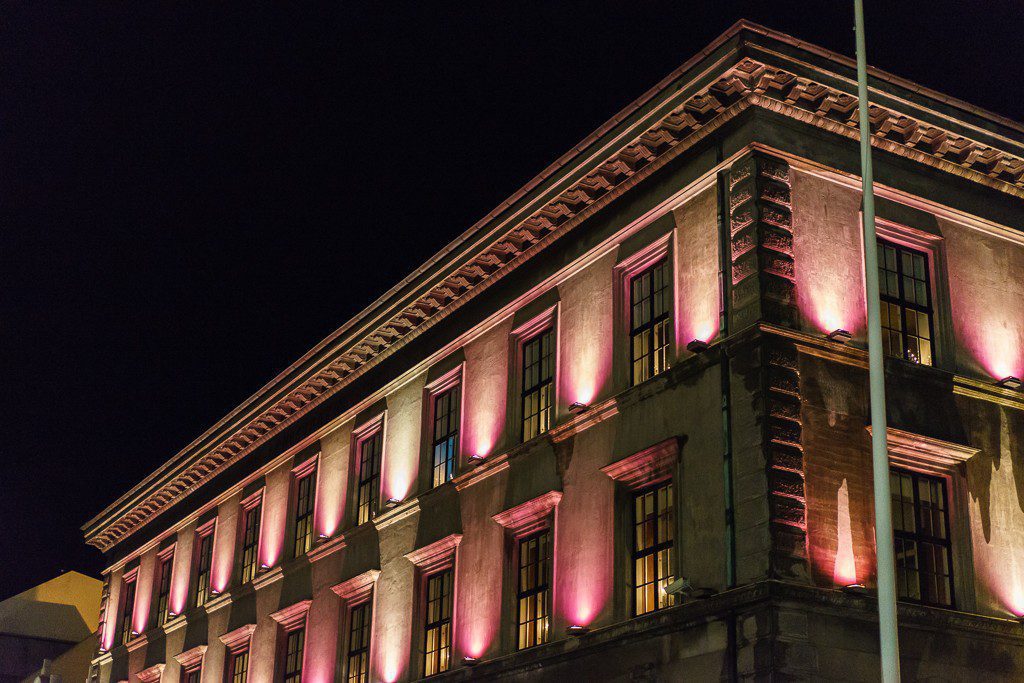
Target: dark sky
<point x="191" y="197"/>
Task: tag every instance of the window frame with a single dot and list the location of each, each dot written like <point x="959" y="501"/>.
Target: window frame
<point x="126" y="613"/>
<point x="231" y="675"/>
<point x="919" y="538"/>
<point x="660" y="262"/>
<point x="252" y="505"/>
<point x="900" y="301"/>
<point x="638" y="554"/>
<point x="303" y="519"/>
<point x="543" y="585"/>
<point x="550" y="383"/>
<point x="364" y="651"/>
<point x="452" y="391"/>
<point x="200" y="594"/>
<point x="293" y="675"/>
<point x="372" y="431"/>
<point x="165" y="575"/>
<point x="439" y="624"/>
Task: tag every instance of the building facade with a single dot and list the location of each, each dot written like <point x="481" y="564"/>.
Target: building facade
<point x="619" y="430"/>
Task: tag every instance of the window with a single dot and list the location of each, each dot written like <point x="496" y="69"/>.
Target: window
<point x="305" y="495"/>
<point x="650" y="301"/>
<point x="250" y="541"/>
<point x="446" y="435"/>
<point x="653" y="532"/>
<point x="127" y="607"/>
<point x="204" y="558"/>
<point x="294" y="645"/>
<point x="538" y="383"/>
<point x="438" y="627"/>
<point x="238" y="667"/>
<point x="360" y="618"/>
<point x="920" y="521"/>
<point x="906" y="307"/>
<point x="532" y="597"/>
<point x="163" y="593"/>
<point x="369" y="476"/>
<point x="192" y="676"/>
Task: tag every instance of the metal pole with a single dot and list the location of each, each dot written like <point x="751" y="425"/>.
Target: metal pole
<point x="887" y="634"/>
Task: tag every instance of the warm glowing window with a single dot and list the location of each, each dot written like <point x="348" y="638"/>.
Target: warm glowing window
<point x="204" y="561"/>
<point x="127" y="607"/>
<point x="438" y="628"/>
<point x="238" y="668"/>
<point x="369" y="476"/>
<point x="250" y="541"/>
<point x="538" y="384"/>
<point x="293" y="648"/>
<point x="163" y="591"/>
<point x="360" y="618"/>
<point x="920" y="521"/>
<point x="534" y="589"/>
<point x="653" y="536"/>
<point x="906" y="306"/>
<point x="650" y="300"/>
<point x="305" y="497"/>
<point x="446" y="435"/>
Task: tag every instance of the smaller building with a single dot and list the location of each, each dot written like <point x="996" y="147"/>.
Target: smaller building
<point x="48" y="633"/>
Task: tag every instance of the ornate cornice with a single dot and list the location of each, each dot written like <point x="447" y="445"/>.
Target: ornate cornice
<point x="473" y="266"/>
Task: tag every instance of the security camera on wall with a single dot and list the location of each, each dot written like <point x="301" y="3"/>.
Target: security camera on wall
<point x="682" y="588"/>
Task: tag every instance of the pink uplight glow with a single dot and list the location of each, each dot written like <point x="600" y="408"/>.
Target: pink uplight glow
<point x="845" y="571"/>
<point x="484" y="397"/>
<point x="330" y="502"/>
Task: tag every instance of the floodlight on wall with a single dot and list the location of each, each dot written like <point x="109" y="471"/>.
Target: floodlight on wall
<point x="697" y="346"/>
<point x="682" y="588"/>
<point x="392" y="503"/>
<point x="476" y="460"/>
<point x="576" y="407"/>
<point x="576" y="631"/>
<point x="1010" y="382"/>
<point x="214" y="591"/>
<point x="855" y="589"/>
<point x="470" y="661"/>
<point x="264" y="566"/>
<point x="840" y="335"/>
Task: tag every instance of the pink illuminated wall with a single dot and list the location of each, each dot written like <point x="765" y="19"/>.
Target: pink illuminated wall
<point x="584" y="533"/>
<point x="275" y="516"/>
<point x="402" y="431"/>
<point x="585" y="328"/>
<point x="987" y="301"/>
<point x="143" y="592"/>
<point x="182" y="569"/>
<point x="485" y="391"/>
<point x="828" y="253"/>
<point x="698" y="297"/>
<point x="224" y="544"/>
<point x="478" y="619"/>
<point x="845" y="571"/>
<point x="332" y="480"/>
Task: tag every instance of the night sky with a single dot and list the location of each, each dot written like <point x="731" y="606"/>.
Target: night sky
<point x="193" y="197"/>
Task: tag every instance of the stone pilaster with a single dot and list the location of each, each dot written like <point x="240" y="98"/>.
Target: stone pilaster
<point x="761" y="230"/>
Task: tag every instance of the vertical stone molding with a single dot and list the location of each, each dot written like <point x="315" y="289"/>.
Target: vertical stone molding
<point x="761" y="228"/>
<point x="787" y="502"/>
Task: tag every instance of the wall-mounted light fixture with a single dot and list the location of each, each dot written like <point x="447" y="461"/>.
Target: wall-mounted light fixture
<point x="840" y="335"/>
<point x="1010" y="382"/>
<point x="697" y="346"/>
<point x="214" y="591"/>
<point x="576" y="407"/>
<point x="856" y="589"/>
<point x="264" y="566"/>
<point x="576" y="631"/>
<point x="470" y="661"/>
<point x="392" y="503"/>
<point x="476" y="460"/>
<point x="682" y="588"/>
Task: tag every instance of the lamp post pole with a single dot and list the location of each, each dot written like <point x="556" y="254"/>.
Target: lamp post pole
<point x="885" y="569"/>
